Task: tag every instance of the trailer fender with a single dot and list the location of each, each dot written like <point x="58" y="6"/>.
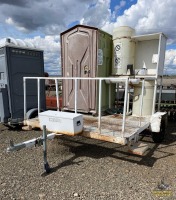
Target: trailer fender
<point x="32" y="113"/>
<point x="157" y="120"/>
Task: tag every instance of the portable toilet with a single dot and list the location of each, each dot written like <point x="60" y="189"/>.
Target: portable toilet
<point x="87" y="53"/>
<point x="19" y="59"/>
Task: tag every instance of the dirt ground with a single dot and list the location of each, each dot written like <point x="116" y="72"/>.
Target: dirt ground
<point x="87" y="169"/>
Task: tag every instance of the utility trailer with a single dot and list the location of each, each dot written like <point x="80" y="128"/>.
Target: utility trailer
<point x="121" y="129"/>
<point x="146" y="70"/>
<point x="118" y="128"/>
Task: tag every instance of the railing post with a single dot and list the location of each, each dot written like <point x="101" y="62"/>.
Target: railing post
<point x="57" y="93"/>
<point x="24" y="88"/>
<point x="38" y="91"/>
<point x="128" y="102"/>
<point x="141" y="102"/>
<point x="110" y="95"/>
<point x="125" y="105"/>
<point x="99" y="104"/>
<point x="76" y="88"/>
<point x="154" y="97"/>
<point x="160" y="92"/>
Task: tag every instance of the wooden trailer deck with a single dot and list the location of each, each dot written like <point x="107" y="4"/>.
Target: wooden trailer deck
<point x="111" y="128"/>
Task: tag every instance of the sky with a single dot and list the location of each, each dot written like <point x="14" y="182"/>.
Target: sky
<point x="41" y="22"/>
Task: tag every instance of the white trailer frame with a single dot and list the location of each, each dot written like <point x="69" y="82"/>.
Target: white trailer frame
<point x="120" y="136"/>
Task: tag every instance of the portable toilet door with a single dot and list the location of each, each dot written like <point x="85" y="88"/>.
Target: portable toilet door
<point x="81" y="52"/>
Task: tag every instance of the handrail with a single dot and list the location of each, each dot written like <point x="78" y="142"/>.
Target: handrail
<point x="100" y="79"/>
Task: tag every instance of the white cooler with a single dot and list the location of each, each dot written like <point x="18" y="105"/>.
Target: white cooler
<point x="61" y="122"/>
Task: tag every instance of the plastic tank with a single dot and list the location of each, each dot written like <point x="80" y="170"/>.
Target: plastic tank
<point x="147" y="99"/>
<point x="123" y="49"/>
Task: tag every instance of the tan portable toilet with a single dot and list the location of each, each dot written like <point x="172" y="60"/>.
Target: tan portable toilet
<point x="86" y="53"/>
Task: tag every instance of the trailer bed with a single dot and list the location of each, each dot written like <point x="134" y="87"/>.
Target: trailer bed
<point x="111" y="128"/>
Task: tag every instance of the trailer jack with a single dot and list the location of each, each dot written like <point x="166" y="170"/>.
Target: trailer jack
<point x="35" y="142"/>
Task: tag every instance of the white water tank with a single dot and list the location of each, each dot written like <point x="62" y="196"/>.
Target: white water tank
<point x="147" y="99"/>
<point x="123" y="49"/>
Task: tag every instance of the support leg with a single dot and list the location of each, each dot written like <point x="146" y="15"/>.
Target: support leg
<point x="46" y="165"/>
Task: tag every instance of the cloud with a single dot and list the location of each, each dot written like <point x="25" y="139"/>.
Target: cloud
<point x="170" y="62"/>
<point x="149" y="16"/>
<point x="16" y="2"/>
<point x="10" y="21"/>
<point x="98" y="14"/>
<point x="170" y="57"/>
<point x="51" y="17"/>
<point x="122" y="4"/>
<point x="51" y="47"/>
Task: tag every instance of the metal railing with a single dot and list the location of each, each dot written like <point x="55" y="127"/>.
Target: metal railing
<point x="126" y="80"/>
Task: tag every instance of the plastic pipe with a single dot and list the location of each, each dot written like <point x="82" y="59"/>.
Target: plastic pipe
<point x="133" y="81"/>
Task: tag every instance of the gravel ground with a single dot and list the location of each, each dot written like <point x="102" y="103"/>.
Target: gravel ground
<point x="86" y="169"/>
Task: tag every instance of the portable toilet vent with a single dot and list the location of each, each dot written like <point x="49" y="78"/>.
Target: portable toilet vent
<point x="19" y="59"/>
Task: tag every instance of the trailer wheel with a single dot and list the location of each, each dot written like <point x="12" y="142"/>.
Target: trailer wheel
<point x="32" y="113"/>
<point x="159" y="137"/>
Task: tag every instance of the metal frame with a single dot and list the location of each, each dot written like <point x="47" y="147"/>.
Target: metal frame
<point x="126" y="80"/>
<point x="96" y="135"/>
<point x="30" y="143"/>
<point x="160" y="92"/>
<point x="35" y="142"/>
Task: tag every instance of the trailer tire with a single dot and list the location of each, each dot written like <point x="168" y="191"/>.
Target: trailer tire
<point x="159" y="137"/>
<point x="32" y="113"/>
